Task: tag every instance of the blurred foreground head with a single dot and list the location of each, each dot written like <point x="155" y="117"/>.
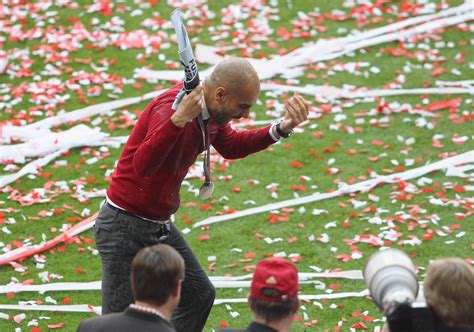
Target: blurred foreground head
<point x="449" y="291"/>
<point x="157" y="273"/>
<point x="274" y="290"/>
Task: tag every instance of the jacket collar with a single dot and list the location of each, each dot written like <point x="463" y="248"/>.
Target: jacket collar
<point x="257" y="327"/>
<point x="145" y="316"/>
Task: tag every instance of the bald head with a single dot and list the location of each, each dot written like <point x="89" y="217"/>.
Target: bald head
<point x="231" y="90"/>
<point x="233" y="75"/>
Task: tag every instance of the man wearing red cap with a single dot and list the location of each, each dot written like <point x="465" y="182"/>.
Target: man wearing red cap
<point x="273" y="296"/>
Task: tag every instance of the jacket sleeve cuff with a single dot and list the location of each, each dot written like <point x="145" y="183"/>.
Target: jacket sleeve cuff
<point x="274" y="133"/>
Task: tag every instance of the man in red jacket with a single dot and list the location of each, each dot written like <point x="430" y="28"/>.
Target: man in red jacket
<point x="144" y="191"/>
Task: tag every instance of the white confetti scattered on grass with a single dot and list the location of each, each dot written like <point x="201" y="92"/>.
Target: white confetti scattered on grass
<point x="454" y="166"/>
<point x="290" y="64"/>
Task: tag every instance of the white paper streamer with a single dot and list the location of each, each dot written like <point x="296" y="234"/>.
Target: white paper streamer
<point x="49" y="142"/>
<point x="325" y="50"/>
<point x="86" y="112"/>
<point x="302" y="276"/>
<point x="464" y="83"/>
<point x="58" y="308"/>
<point x="217" y="281"/>
<point x="52" y="287"/>
<point x="98" y="310"/>
<point x="70" y="142"/>
<point x="451" y="165"/>
<point x="29" y="168"/>
<point x="304" y="297"/>
<point x="331" y="92"/>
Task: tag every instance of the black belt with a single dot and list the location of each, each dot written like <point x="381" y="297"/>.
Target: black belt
<point x="134" y="215"/>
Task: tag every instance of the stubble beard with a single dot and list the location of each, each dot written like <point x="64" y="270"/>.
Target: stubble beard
<point x="220" y="116"/>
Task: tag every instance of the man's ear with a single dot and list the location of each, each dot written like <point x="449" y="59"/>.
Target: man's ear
<point x="177" y="289"/>
<point x="220" y="93"/>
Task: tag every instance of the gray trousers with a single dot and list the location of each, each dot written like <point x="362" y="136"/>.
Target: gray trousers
<point x="119" y="236"/>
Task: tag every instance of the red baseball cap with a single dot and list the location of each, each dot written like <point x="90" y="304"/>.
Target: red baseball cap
<point x="278" y="274"/>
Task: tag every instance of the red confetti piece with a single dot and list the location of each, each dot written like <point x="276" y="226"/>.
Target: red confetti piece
<point x="359" y="326"/>
<point x="205" y="207"/>
<point x="283" y="33"/>
<point x="17" y="244"/>
<point x="204" y="237"/>
<point x="439" y="71"/>
<point x="66" y="300"/>
<point x="296" y="164"/>
<point x="378" y="142"/>
<point x="296" y="259"/>
<point x="452" y="104"/>
<point x="312" y="323"/>
<point x="292" y="239"/>
<point x="332" y="170"/>
<point x="56" y="326"/>
<point x="250" y="255"/>
<point x="341" y="204"/>
<point x="318" y="134"/>
<point x="459" y="189"/>
<point x="356" y="313"/>
<point x="298" y="188"/>
<point x="329" y="149"/>
<point x="344" y="257"/>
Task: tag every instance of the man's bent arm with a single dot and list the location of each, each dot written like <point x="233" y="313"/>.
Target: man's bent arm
<point x="233" y="144"/>
<point x="155" y="147"/>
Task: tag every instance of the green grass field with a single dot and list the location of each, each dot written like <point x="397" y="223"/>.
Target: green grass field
<point x="381" y="143"/>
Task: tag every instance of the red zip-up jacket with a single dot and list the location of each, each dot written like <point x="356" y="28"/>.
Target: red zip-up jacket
<point x="158" y="154"/>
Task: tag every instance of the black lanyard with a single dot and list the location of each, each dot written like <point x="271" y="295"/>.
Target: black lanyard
<point x="207" y="187"/>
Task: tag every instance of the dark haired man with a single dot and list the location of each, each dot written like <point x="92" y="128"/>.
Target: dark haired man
<point x="273" y="296"/>
<point x="157" y="273"/>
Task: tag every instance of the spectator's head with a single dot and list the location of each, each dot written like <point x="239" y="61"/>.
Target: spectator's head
<point x="157" y="273"/>
<point x="231" y="90"/>
<point x="449" y="291"/>
<point x="274" y="290"/>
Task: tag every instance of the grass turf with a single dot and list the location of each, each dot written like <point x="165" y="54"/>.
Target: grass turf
<point x="272" y="166"/>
